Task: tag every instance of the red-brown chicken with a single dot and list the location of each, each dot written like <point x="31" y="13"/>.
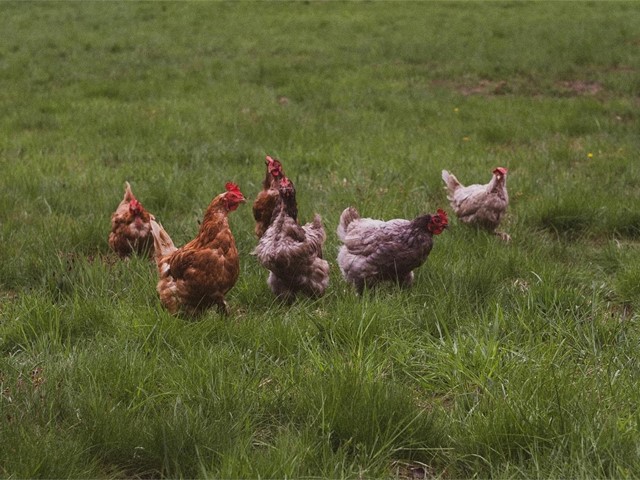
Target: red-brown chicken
<point x="293" y="253"/>
<point x="130" y="227"/>
<point x="268" y="197"/>
<point x="374" y="250"/>
<point x="480" y="205"/>
<point x="198" y="275"/>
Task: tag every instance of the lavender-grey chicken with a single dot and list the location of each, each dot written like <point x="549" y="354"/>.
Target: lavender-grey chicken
<point x="374" y="250"/>
<point x="293" y="253"/>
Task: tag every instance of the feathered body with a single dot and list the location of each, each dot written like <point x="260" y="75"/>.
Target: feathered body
<point x="293" y="253"/>
<point x="480" y="205"/>
<point x="197" y="276"/>
<point x="374" y="251"/>
<point x="267" y="199"/>
<point x="130" y="227"/>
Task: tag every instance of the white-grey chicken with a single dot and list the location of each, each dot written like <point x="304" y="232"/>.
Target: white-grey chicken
<point x="480" y="205"/>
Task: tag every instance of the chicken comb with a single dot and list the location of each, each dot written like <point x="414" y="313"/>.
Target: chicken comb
<point x="285" y="182"/>
<point x="501" y="170"/>
<point x="443" y="216"/>
<point x="134" y="204"/>
<point x="232" y="187"/>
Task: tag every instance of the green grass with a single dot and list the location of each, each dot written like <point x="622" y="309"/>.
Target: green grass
<point x="515" y="360"/>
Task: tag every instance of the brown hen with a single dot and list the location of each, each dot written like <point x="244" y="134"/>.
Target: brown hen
<point x="268" y="197"/>
<point x="198" y="275"/>
<point x="130" y="227"/>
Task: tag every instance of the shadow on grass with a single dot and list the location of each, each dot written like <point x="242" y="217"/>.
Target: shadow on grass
<point x="573" y="221"/>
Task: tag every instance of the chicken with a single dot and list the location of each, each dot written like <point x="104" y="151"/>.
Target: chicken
<point x="480" y="205"/>
<point x="374" y="250"/>
<point x="198" y="275"/>
<point x="266" y="200"/>
<point x="130" y="228"/>
<point x="293" y="253"/>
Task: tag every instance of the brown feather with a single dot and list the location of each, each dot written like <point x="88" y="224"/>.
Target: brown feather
<point x="198" y="275"/>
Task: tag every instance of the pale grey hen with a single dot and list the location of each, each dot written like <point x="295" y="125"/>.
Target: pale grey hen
<point x="480" y="205"/>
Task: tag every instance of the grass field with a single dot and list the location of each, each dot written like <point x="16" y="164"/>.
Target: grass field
<point x="503" y="360"/>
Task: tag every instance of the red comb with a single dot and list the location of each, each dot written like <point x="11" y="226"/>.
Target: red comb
<point x="443" y="216"/>
<point x="232" y="187"/>
<point x="501" y="170"/>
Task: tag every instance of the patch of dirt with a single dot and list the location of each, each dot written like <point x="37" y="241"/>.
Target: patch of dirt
<point x="7" y="297"/>
<point x="490" y="88"/>
<point x="70" y="258"/>
<point x="412" y="471"/>
<point x="485" y="87"/>
<point x="580" y="87"/>
<point x="621" y="311"/>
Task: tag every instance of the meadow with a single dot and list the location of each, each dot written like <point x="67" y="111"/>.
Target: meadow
<point x="502" y="361"/>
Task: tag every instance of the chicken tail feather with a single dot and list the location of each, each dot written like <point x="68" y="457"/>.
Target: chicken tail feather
<point x="128" y="193"/>
<point x="317" y="221"/>
<point x="450" y="180"/>
<point x="161" y="240"/>
<point x="451" y="183"/>
<point x="348" y="215"/>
